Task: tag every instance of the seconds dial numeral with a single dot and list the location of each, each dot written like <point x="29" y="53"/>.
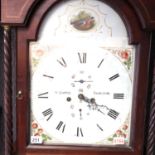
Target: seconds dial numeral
<point x="82" y="57"/>
<point x="48" y="113"/>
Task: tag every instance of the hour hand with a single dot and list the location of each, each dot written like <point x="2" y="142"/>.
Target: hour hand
<point x="81" y="97"/>
<point x="84" y="98"/>
<point x="90" y="101"/>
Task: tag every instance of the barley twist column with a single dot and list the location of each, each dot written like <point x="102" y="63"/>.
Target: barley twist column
<point x="7" y="93"/>
<point x="151" y="128"/>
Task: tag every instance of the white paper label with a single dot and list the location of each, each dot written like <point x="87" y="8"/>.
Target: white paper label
<point x="119" y="140"/>
<point x="36" y="140"/>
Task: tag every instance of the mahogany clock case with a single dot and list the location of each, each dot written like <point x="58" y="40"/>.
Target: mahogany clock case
<point x="150" y="89"/>
<point x="30" y="29"/>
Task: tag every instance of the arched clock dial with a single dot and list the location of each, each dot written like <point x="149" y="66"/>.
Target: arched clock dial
<point x="80" y="95"/>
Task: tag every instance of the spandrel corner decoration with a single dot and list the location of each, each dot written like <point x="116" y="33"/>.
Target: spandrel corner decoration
<point x="85" y="97"/>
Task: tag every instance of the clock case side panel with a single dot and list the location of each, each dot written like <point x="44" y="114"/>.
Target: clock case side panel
<point x="136" y="36"/>
<point x="149" y="145"/>
<point x="24" y="35"/>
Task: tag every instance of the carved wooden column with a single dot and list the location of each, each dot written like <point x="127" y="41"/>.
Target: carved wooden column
<point x="150" y="147"/>
<point x="7" y="93"/>
<point x="151" y="127"/>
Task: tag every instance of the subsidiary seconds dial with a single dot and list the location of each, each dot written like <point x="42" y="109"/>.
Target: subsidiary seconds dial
<point x="80" y="96"/>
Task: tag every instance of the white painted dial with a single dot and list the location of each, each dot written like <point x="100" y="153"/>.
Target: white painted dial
<point x="80" y="95"/>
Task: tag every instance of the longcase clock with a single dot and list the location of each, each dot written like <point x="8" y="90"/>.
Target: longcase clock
<point x="82" y="73"/>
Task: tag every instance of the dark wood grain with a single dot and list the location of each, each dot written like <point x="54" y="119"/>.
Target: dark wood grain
<point x="145" y="11"/>
<point x="16" y="11"/>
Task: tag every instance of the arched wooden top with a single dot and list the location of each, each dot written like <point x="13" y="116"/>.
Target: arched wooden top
<point x="17" y="12"/>
<point x="123" y="8"/>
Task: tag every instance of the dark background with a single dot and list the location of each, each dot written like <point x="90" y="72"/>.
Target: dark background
<point x="151" y="92"/>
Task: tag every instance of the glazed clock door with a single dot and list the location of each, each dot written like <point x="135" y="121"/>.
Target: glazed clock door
<point x="79" y="78"/>
<point x="81" y="84"/>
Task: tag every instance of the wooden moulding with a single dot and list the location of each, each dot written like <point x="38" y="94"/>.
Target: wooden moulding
<point x="16" y="12"/>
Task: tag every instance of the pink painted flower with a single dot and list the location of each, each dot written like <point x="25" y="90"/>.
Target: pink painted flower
<point x="118" y="132"/>
<point x="34" y="125"/>
<point x="39" y="52"/>
<point x="124" y="135"/>
<point x="124" y="54"/>
<point x="125" y="127"/>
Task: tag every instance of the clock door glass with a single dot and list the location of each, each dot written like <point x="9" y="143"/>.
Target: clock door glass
<point x="81" y="77"/>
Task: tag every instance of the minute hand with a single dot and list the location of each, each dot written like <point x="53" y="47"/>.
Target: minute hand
<point x="93" y="105"/>
<point x="84" y="98"/>
<point x="112" y="113"/>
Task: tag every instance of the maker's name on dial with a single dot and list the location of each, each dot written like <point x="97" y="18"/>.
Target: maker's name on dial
<point x="101" y="93"/>
<point x="63" y="92"/>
